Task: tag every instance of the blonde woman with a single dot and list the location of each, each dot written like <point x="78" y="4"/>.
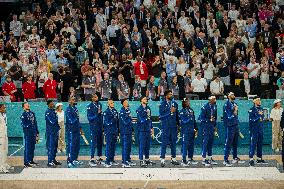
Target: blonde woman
<point x="61" y="139"/>
<point x="275" y="117"/>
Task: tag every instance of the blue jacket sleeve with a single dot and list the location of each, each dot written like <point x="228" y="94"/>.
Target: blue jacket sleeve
<point x="36" y="126"/>
<point x="107" y="119"/>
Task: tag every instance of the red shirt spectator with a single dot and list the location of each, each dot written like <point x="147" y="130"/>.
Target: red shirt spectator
<point x="140" y="69"/>
<point x="29" y="88"/>
<point x="49" y="87"/>
<point x="9" y="89"/>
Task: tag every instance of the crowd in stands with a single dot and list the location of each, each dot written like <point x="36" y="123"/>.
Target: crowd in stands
<point x="130" y="48"/>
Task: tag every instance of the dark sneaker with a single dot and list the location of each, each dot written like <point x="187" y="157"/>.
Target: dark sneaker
<point x="131" y="163"/>
<point x="28" y="165"/>
<point x="149" y="162"/>
<point x="57" y="162"/>
<point x="184" y="163"/>
<point x="92" y="163"/>
<point x="143" y="164"/>
<point x="114" y="163"/>
<point x="206" y="163"/>
<point x="33" y="163"/>
<point x="261" y="161"/>
<point x="251" y="163"/>
<point x="51" y="165"/>
<point x="174" y="162"/>
<point x="192" y="162"/>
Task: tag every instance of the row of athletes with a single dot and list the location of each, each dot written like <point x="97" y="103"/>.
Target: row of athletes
<point x="116" y="126"/>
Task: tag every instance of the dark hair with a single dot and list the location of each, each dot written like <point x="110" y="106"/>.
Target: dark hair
<point x="1" y="105"/>
<point x="48" y="102"/>
<point x="122" y="101"/>
<point x="183" y="104"/>
<point x="167" y="92"/>
<point x="23" y="104"/>
<point x="141" y="98"/>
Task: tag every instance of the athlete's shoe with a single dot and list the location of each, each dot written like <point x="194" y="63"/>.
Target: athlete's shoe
<point x="92" y="163"/>
<point x="237" y="160"/>
<point x="227" y="163"/>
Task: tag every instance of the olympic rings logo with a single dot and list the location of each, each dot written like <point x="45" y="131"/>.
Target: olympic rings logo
<point x="158" y="135"/>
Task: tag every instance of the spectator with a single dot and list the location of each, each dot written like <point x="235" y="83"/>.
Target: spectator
<point x="29" y="88"/>
<point x="49" y="87"/>
<point x="123" y="90"/>
<point x="217" y="87"/>
<point x="199" y="85"/>
<point x="89" y="85"/>
<point x="9" y="89"/>
<point x="246" y="85"/>
<point x="141" y="70"/>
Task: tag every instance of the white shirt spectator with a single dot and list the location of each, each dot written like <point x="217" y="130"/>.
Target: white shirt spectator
<point x="255" y="70"/>
<point x="181" y="68"/>
<point x="276" y="114"/>
<point x="162" y="43"/>
<point x="216" y="88"/>
<point x="60" y="116"/>
<point x="16" y="28"/>
<point x="233" y="14"/>
<point x="101" y="21"/>
<point x="34" y="36"/>
<point x="199" y="85"/>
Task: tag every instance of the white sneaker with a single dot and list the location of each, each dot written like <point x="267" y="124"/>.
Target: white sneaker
<point x="238" y="160"/>
<point x="227" y="163"/>
<point x="277" y="150"/>
<point x="131" y="163"/>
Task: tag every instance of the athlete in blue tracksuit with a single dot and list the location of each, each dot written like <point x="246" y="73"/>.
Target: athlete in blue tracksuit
<point x="110" y="125"/>
<point x="188" y="129"/>
<point x="208" y="118"/>
<point x="95" y="118"/>
<point x="145" y="128"/>
<point x="231" y="124"/>
<point x="31" y="134"/>
<point x="125" y="129"/>
<point x="256" y="131"/>
<point x="169" y="121"/>
<point x="73" y="130"/>
<point x="52" y="131"/>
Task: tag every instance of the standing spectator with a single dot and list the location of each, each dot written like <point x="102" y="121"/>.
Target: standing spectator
<point x="141" y="70"/>
<point x="29" y="88"/>
<point x="224" y="69"/>
<point x="151" y="89"/>
<point x="175" y="88"/>
<point x="275" y="117"/>
<point x="162" y="85"/>
<point x="171" y="67"/>
<point x="61" y="137"/>
<point x="101" y="20"/>
<point x="112" y="33"/>
<point x="9" y="88"/>
<point x="217" y="87"/>
<point x="123" y="90"/>
<point x="137" y="89"/>
<point x="49" y="87"/>
<point x="89" y="85"/>
<point x="16" y="27"/>
<point x="105" y="88"/>
<point x="254" y="71"/>
<point x="199" y="85"/>
<point x="246" y="85"/>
